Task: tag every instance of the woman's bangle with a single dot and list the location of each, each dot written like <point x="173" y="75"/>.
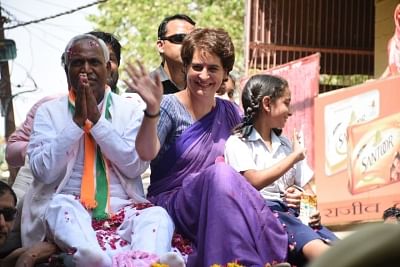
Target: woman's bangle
<point x="151" y="116"/>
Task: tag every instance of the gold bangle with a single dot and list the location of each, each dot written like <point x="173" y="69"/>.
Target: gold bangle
<point x="151" y="116"/>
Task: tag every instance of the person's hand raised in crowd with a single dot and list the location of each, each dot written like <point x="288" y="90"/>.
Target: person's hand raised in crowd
<point x="150" y="90"/>
<point x="85" y="103"/>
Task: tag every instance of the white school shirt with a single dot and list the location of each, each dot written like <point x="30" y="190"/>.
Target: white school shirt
<point x="253" y="154"/>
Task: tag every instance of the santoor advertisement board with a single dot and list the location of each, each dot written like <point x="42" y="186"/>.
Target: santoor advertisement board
<point x="357" y="151"/>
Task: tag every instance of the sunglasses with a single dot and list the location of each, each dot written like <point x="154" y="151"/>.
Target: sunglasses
<point x="175" y="39"/>
<point x="9" y="214"/>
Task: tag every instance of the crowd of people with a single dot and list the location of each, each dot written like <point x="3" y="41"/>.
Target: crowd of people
<point x="222" y="177"/>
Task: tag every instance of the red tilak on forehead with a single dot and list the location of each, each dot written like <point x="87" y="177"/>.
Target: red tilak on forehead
<point x="70" y="53"/>
<point x="93" y="43"/>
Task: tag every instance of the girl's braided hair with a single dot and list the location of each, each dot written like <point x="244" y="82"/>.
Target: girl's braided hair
<point x="256" y="88"/>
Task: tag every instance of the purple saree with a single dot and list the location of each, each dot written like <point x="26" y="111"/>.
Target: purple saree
<point x="210" y="203"/>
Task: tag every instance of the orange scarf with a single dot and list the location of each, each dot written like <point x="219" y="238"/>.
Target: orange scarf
<point x="95" y="194"/>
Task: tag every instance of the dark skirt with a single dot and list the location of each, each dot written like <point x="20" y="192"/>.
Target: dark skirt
<point x="299" y="234"/>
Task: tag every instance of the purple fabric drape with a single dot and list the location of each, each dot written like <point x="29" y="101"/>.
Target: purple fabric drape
<point x="210" y="203"/>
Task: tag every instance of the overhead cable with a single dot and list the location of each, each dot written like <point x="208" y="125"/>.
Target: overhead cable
<point x="55" y="16"/>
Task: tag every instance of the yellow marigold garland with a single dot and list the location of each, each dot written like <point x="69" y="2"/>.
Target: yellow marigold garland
<point x="236" y="264"/>
<point x="229" y="264"/>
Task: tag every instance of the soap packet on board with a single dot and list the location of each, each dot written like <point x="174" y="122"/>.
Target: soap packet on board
<point x="338" y="117"/>
<point x="374" y="154"/>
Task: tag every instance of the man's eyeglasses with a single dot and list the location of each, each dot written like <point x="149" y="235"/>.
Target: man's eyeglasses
<point x="175" y="39"/>
<point x="9" y="214"/>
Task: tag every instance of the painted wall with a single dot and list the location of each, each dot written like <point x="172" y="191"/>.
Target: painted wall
<point x="384" y="29"/>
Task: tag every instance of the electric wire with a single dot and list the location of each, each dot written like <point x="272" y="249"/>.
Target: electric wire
<point x="54" y="16"/>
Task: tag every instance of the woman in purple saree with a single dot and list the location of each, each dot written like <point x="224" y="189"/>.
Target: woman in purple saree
<point x="211" y="204"/>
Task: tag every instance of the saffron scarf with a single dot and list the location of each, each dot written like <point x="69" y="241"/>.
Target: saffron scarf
<point x="95" y="194"/>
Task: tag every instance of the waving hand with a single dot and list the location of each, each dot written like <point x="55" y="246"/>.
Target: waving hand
<point x="150" y="90"/>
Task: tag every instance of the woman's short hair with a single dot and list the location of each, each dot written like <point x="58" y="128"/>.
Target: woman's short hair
<point x="214" y="41"/>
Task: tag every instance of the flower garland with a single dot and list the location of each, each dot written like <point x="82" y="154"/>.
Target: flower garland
<point x="182" y="244"/>
<point x="229" y="264"/>
<point x="237" y="264"/>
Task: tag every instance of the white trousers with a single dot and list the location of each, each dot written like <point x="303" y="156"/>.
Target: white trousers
<point x="69" y="225"/>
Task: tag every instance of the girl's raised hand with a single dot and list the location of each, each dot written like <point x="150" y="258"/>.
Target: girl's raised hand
<point x="298" y="148"/>
<point x="150" y="90"/>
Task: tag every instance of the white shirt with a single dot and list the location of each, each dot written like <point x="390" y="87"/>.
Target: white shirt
<point x="253" y="154"/>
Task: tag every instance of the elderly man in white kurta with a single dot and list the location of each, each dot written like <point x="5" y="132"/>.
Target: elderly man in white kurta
<point x="87" y="195"/>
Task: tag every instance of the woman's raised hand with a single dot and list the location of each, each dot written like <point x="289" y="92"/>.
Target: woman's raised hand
<point x="140" y="82"/>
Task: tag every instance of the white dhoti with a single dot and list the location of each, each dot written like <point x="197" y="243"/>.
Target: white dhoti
<point x="70" y="226"/>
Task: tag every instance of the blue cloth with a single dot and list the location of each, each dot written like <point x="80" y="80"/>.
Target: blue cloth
<point x="299" y="234"/>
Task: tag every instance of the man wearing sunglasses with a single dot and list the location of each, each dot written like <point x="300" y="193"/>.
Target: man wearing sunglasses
<point x="171" y="32"/>
<point x="8" y="201"/>
<point x="8" y="212"/>
<point x="11" y="254"/>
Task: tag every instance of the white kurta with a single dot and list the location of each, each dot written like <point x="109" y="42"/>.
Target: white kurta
<point x="53" y="151"/>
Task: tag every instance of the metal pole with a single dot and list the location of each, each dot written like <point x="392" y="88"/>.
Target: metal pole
<point x="5" y="90"/>
<point x="7" y="109"/>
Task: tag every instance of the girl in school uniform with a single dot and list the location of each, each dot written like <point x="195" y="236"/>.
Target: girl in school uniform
<point x="274" y="165"/>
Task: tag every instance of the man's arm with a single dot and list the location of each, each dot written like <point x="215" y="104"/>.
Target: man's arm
<point x="16" y="147"/>
<point x="119" y="148"/>
<point x="50" y="148"/>
<point x="17" y="143"/>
